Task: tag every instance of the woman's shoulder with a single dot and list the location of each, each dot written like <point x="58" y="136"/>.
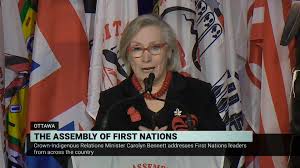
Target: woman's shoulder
<point x="118" y="90"/>
<point x="199" y="99"/>
<point x="192" y="83"/>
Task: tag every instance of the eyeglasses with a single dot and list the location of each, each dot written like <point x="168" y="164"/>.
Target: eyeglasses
<point x="154" y="49"/>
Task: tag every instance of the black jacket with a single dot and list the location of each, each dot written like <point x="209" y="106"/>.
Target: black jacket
<point x="189" y="95"/>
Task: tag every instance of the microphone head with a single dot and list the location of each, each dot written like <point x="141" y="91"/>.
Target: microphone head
<point x="291" y="28"/>
<point x="151" y="77"/>
<point x="148" y="82"/>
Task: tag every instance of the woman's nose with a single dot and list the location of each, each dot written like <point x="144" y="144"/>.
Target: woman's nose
<point x="146" y="57"/>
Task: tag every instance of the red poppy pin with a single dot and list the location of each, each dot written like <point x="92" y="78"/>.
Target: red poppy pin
<point x="134" y="114"/>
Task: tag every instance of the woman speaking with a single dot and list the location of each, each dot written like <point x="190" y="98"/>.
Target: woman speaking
<point x="155" y="96"/>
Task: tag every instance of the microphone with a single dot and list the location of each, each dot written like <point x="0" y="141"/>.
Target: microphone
<point x="148" y="82"/>
<point x="292" y="26"/>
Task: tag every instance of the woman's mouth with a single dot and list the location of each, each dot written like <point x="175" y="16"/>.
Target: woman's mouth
<point x="148" y="69"/>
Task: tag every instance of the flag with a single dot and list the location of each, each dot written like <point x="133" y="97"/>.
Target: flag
<point x="90" y="21"/>
<point x="90" y="10"/>
<point x="59" y="76"/>
<point x="204" y="33"/>
<point x="234" y="61"/>
<point x="16" y="80"/>
<point x="206" y="51"/>
<point x="18" y="104"/>
<point x="17" y="69"/>
<point x="267" y="76"/>
<point x="3" y="161"/>
<point x="28" y="13"/>
<point x="106" y="69"/>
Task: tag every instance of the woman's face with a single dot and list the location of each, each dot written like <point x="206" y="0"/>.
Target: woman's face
<point x="148" y="53"/>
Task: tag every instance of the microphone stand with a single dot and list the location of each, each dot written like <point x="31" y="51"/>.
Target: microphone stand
<point x="104" y="121"/>
<point x="148" y="82"/>
<point x="148" y="87"/>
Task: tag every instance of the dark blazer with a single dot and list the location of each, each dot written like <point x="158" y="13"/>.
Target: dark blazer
<point x="188" y="95"/>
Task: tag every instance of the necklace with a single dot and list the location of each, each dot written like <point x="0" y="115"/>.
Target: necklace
<point x="160" y="92"/>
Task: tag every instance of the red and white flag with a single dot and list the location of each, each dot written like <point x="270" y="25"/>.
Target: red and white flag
<point x="106" y="69"/>
<point x="60" y="61"/>
<point x="267" y="78"/>
<point x="59" y="77"/>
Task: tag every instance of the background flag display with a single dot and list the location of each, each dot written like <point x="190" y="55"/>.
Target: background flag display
<point x="56" y="60"/>
<point x="16" y="81"/>
<point x="266" y="79"/>
<point x="106" y="69"/>
<point x="59" y="76"/>
<point x="204" y="53"/>
<point x="3" y="161"/>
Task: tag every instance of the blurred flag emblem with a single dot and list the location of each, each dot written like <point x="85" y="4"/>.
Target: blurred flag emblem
<point x="15" y="108"/>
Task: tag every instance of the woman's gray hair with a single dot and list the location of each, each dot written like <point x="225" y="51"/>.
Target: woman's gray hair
<point x="167" y="34"/>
